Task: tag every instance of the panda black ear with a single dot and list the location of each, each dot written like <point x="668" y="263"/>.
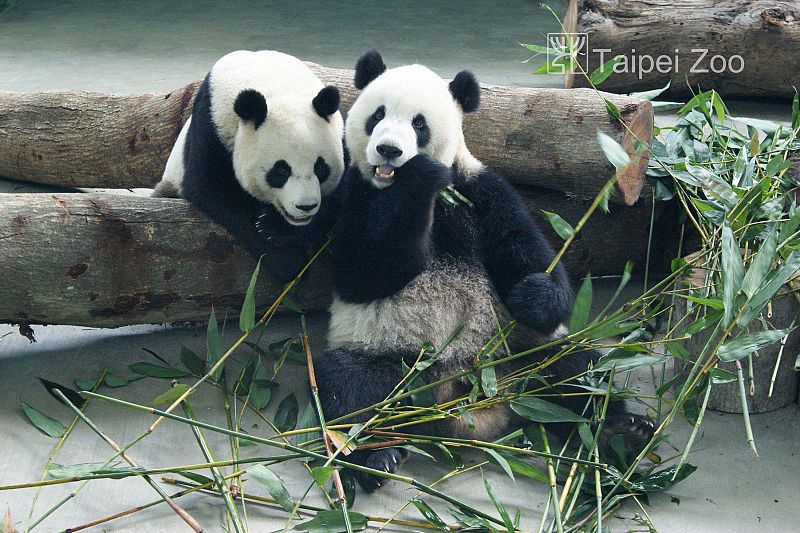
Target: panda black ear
<point x="466" y="91"/>
<point x="368" y="67"/>
<point x="326" y="103"/>
<point x="251" y="105"/>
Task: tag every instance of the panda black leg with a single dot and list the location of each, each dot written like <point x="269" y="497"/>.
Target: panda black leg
<point x="351" y="380"/>
<point x="635" y="430"/>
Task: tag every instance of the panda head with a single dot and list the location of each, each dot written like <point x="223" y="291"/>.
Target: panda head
<point x="406" y="111"/>
<point x="288" y="153"/>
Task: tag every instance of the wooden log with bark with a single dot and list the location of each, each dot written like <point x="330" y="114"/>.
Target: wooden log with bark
<point x="109" y="260"/>
<point x="753" y="47"/>
<point x="536" y="137"/>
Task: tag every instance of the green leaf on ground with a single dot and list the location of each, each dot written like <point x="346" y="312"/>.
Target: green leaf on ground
<point x="274" y="485"/>
<point x="47" y="425"/>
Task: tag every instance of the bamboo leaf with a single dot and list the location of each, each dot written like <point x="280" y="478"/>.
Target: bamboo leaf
<point x="8" y="523"/>
<point x="774" y="281"/>
<point x="796" y="111"/>
<point x="260" y="388"/>
<point x="613" y="151"/>
<point x="308" y="419"/>
<point x="322" y="473"/>
<point x="563" y="228"/>
<point x="247" y="317"/>
<point x="430" y="515"/>
<point x="761" y="264"/>
<point x="332" y="521"/>
<point x="582" y="306"/>
<point x="57" y="471"/>
<point x="341" y="441"/>
<point x="197" y="478"/>
<point x="47" y="425"/>
<point x="286" y="415"/>
<point x="649" y="95"/>
<point x="605" y="70"/>
<point x="628" y="361"/>
<point x="489" y="381"/>
<point x="523" y="468"/>
<point x="538" y="410"/>
<point x="500" y="461"/>
<point x="157" y="371"/>
<point x="85" y="383"/>
<point x="537" y="48"/>
<point x="612" y="109"/>
<point x="169" y="397"/>
<point x="732" y="273"/>
<point x="499" y="506"/>
<point x="71" y="395"/>
<point x="747" y="343"/>
<point x="214" y="345"/>
<point x="274" y="485"/>
<point x="192" y="362"/>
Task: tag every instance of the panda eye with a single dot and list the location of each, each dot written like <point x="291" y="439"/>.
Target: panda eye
<point x="419" y="122"/>
<point x="279" y="174"/>
<point x="380" y="114"/>
<point x="322" y="170"/>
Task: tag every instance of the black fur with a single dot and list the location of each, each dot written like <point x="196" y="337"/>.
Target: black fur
<point x="516" y="254"/>
<point x="370" y="379"/>
<point x="368" y="67"/>
<point x="374" y="118"/>
<point x="386" y="238"/>
<point x="279" y="174"/>
<point x="466" y="91"/>
<point x="326" y="103"/>
<point x="251" y="105"/>
<point x="321" y="170"/>
<point x="210" y="184"/>
<point x="422" y="130"/>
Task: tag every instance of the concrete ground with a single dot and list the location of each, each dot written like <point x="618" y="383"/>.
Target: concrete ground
<point x="146" y="46"/>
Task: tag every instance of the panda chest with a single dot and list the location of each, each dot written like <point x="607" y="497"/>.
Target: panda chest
<point x="454" y="233"/>
<point x="449" y="296"/>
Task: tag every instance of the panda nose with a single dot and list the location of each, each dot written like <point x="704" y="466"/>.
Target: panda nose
<point x="306" y="207"/>
<point x="389" y="151"/>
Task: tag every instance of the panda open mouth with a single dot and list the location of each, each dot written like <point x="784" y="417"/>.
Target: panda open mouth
<point x="384" y="173"/>
<point x="296" y="220"/>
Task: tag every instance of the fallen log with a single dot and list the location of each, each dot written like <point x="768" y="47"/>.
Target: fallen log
<point x="740" y="48"/>
<point x="538" y="137"/>
<point x="106" y="260"/>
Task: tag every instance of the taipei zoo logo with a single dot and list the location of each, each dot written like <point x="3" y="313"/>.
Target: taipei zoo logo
<point x="570" y="52"/>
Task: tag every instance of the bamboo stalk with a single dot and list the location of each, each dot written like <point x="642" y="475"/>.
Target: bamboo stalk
<point x="186" y="517"/>
<point x="312" y="379"/>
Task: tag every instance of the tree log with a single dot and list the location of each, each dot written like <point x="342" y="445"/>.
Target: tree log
<point x="107" y="260"/>
<point x="540" y="137"/>
<point x="765" y="34"/>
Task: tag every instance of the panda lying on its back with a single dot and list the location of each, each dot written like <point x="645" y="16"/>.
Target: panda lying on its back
<point x="408" y="269"/>
<point x="264" y="139"/>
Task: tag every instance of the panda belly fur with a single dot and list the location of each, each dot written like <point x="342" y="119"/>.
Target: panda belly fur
<point x="448" y="295"/>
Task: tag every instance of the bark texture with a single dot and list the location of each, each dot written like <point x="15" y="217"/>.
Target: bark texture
<point x="107" y="261"/>
<point x="764" y="33"/>
<point x="538" y="137"/>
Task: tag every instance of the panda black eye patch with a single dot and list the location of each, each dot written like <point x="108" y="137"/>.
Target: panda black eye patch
<point x="279" y="174"/>
<point x="322" y="170"/>
<point x="374" y="118"/>
<point x="422" y="130"/>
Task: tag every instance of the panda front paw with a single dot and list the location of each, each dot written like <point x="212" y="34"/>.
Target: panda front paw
<point x="425" y="172"/>
<point x="274" y="230"/>
<point x="539" y="302"/>
<point x="387" y="460"/>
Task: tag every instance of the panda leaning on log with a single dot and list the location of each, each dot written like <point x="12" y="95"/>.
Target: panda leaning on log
<point x="408" y="269"/>
<point x="263" y="147"/>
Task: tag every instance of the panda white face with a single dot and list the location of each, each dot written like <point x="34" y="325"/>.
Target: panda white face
<point x="400" y="113"/>
<point x="289" y="165"/>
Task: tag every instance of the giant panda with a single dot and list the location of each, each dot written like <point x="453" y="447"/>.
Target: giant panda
<point x="408" y="269"/>
<point x="262" y="148"/>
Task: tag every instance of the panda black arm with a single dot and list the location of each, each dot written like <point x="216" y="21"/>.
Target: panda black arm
<point x="516" y="254"/>
<point x="383" y="236"/>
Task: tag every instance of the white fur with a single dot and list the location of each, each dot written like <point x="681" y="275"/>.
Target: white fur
<point x="293" y="131"/>
<point x="405" y="92"/>
<point x="430" y="308"/>
<point x="173" y="172"/>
